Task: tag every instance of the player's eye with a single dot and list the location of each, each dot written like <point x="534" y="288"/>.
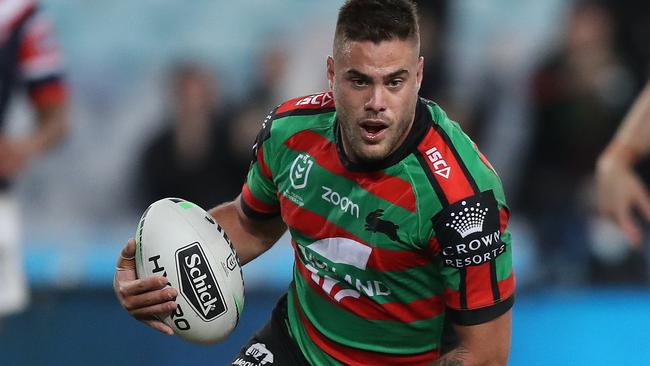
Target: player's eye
<point x="395" y="83"/>
<point x="359" y="83"/>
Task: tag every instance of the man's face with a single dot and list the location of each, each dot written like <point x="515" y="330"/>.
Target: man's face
<point x="375" y="93"/>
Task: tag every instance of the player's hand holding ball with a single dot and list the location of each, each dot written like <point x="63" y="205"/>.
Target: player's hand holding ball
<point x="142" y="298"/>
<point x="181" y="274"/>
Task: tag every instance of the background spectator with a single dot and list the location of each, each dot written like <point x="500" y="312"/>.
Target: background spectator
<point x="191" y="157"/>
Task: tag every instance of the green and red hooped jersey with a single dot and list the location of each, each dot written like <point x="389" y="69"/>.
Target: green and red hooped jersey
<point x="381" y="251"/>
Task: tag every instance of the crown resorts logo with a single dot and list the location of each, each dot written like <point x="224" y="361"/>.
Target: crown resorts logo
<point x="468" y="220"/>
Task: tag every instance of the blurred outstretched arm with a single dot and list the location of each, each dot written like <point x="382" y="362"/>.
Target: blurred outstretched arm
<point x="620" y="190"/>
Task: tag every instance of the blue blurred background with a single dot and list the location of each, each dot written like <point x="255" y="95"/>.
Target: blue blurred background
<point x="540" y="85"/>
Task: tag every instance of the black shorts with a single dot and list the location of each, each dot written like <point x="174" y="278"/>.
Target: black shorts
<point x="272" y="345"/>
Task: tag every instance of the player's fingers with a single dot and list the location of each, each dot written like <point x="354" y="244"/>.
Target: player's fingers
<point x="140" y="286"/>
<point x="626" y="223"/>
<point x="149" y="311"/>
<point x="126" y="260"/>
<point x="149" y="298"/>
<point x="124" y="275"/>
<point x="160" y="326"/>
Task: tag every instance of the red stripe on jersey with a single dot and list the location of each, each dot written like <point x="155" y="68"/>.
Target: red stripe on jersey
<point x="452" y="298"/>
<point x="357" y="357"/>
<point x="316" y="101"/>
<point x="390" y="188"/>
<point x="47" y="94"/>
<point x="434" y="246"/>
<point x="255" y="203"/>
<point x="504" y="217"/>
<point x="266" y="172"/>
<point x="478" y="286"/>
<point x="478" y="289"/>
<point x="317" y="227"/>
<point x="357" y="303"/>
<point x="506" y="289"/>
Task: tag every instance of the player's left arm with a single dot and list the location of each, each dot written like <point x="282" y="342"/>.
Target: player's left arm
<point x="475" y="250"/>
<point x="41" y="69"/>
<point x="486" y="344"/>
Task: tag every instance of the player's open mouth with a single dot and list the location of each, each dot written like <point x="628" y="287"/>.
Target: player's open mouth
<point x="372" y="130"/>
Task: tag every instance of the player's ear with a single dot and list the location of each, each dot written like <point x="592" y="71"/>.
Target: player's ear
<point x="330" y="71"/>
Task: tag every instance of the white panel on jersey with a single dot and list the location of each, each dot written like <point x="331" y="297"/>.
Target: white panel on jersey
<point x="343" y="250"/>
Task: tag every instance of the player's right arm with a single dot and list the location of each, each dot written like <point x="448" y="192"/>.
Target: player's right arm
<point x="252" y="222"/>
<point x="147" y="297"/>
<point x="250" y="237"/>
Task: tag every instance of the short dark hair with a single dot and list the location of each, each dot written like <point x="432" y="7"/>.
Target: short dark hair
<point x="377" y="21"/>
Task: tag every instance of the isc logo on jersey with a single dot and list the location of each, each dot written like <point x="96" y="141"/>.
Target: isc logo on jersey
<point x="440" y="166"/>
<point x="320" y="100"/>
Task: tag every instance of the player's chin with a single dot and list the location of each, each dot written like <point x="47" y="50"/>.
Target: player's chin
<point x="372" y="153"/>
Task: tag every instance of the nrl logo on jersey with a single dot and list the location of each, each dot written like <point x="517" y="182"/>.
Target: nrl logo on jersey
<point x="299" y="172"/>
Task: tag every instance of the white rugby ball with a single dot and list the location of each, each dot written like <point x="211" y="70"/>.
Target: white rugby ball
<point x="181" y="241"/>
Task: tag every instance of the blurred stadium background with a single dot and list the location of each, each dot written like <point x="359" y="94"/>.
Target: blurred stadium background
<point x="540" y="85"/>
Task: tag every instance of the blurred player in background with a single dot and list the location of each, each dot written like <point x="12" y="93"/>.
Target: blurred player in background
<point x="29" y="57"/>
<point x="396" y="218"/>
<point x="621" y="192"/>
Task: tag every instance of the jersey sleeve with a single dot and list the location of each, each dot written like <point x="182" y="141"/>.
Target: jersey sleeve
<point x="476" y="258"/>
<point x="40" y="63"/>
<point x="471" y="230"/>
<point x="259" y="195"/>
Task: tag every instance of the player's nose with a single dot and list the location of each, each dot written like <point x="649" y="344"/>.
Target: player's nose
<point x="376" y="100"/>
